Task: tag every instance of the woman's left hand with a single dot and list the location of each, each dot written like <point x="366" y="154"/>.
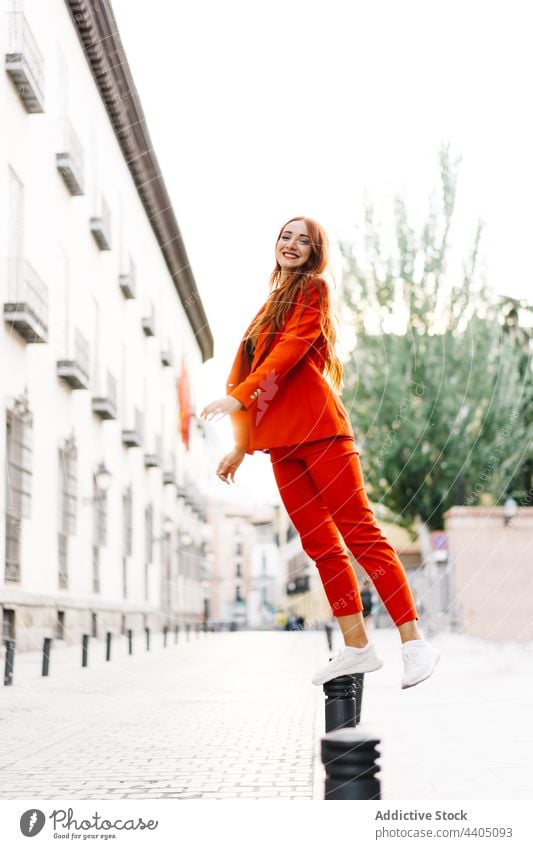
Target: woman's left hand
<point x="226" y="405"/>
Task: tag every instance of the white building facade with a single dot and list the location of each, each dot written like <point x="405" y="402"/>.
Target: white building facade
<point x="103" y="330"/>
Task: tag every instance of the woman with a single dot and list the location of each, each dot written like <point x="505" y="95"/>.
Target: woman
<point x="280" y="402"/>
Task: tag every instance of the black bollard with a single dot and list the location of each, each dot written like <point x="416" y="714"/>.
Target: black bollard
<point x="188" y="629"/>
<point x="130" y="641"/>
<point x="176" y="629"/>
<point x="349" y="757"/>
<point x="47" y="642"/>
<point x="84" y="649"/>
<point x="165" y="632"/>
<point x="340" y="702"/>
<point x="359" y="681"/>
<point x="108" y="645"/>
<point x="329" y="632"/>
<point x="147" y="630"/>
<point x="10" y="661"/>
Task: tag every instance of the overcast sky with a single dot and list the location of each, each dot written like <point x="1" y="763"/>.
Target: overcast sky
<point x="259" y="112"/>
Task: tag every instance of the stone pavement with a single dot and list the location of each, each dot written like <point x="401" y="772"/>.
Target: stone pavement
<point x="224" y="715"/>
<point x="464" y="733"/>
<point x="234" y="715"/>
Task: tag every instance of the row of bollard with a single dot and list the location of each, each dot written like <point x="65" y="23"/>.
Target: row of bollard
<point x="349" y="752"/>
<point x="47" y="646"/>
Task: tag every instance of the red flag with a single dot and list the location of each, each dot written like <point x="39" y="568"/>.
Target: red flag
<point x="184" y="402"/>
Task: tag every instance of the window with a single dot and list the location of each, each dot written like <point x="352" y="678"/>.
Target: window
<point x="18" y="481"/>
<point x="67" y="456"/>
<point x="149" y="533"/>
<point x="127" y="521"/>
<point x="60" y="625"/>
<point x="8" y="624"/>
<point x="100" y="515"/>
<point x="67" y="486"/>
<point x="96" y="569"/>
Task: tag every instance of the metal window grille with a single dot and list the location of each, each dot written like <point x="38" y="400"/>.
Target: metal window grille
<point x="127" y="521"/>
<point x="124" y="577"/>
<point x="18" y="481"/>
<point x="68" y="456"/>
<point x="62" y="559"/>
<point x="100" y="516"/>
<point x="149" y="533"/>
<point x="96" y="570"/>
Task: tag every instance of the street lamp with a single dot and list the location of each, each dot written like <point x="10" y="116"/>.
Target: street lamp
<point x="168" y="525"/>
<point x="102" y="477"/>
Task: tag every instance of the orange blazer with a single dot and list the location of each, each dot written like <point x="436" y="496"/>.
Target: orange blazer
<point x="285" y="397"/>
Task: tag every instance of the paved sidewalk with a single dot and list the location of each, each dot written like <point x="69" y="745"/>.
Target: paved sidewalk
<point x="234" y="715"/>
<point x="225" y="715"/>
<point x="464" y="733"/>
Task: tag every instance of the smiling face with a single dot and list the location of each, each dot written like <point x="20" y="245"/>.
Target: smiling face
<point x="294" y="247"/>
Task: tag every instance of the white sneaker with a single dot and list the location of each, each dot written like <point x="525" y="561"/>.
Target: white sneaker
<point x="348" y="661"/>
<point x="419" y="660"/>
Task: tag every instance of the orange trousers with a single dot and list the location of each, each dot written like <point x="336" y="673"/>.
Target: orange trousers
<point x="321" y="485"/>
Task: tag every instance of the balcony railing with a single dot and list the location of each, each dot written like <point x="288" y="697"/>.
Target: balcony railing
<point x="166" y="357"/>
<point x="127" y="282"/>
<point x="155" y="459"/>
<point x="105" y="405"/>
<point x="169" y="473"/>
<point x="24" y="63"/>
<point x="26" y="308"/>
<point x="69" y="160"/>
<point x="74" y="370"/>
<point x="101" y="228"/>
<point x="133" y="437"/>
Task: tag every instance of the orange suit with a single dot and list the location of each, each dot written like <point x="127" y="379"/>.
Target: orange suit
<point x="291" y="412"/>
<point x="285" y="397"/>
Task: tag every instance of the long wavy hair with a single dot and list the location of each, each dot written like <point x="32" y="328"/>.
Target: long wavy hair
<point x="282" y="297"/>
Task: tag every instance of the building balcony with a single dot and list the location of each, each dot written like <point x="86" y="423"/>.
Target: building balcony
<point x="74" y="369"/>
<point x="105" y="404"/>
<point x="101" y="228"/>
<point x="155" y="459"/>
<point x="26" y="308"/>
<point x="133" y="437"/>
<point x="24" y="63"/>
<point x="152" y="461"/>
<point x="148" y="323"/>
<point x="69" y="161"/>
<point x="169" y="470"/>
<point x="127" y="282"/>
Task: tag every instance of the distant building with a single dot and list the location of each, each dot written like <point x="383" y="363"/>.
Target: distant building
<point x="103" y="523"/>
<point x="491" y="560"/>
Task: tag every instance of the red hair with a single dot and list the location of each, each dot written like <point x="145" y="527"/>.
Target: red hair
<point x="282" y="297"/>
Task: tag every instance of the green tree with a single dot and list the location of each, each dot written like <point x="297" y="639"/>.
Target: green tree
<point x="436" y="385"/>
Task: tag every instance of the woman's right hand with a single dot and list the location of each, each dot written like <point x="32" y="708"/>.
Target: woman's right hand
<point x="229" y="464"/>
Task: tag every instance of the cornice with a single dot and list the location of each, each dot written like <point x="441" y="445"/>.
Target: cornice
<point x="98" y="33"/>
